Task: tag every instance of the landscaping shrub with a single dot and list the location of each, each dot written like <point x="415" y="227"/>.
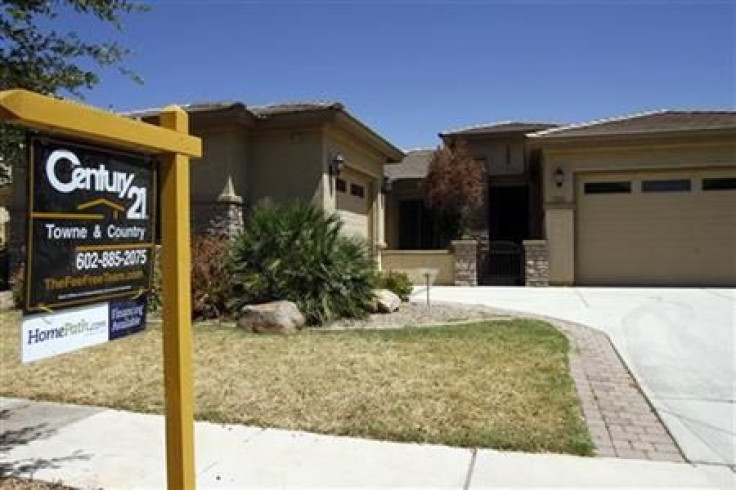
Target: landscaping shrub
<point x="17" y="286"/>
<point x="396" y="282"/>
<point x="155" y="295"/>
<point x="297" y="253"/>
<point x="211" y="284"/>
<point x="211" y="281"/>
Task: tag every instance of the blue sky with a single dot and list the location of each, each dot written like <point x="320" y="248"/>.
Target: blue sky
<point x="410" y="68"/>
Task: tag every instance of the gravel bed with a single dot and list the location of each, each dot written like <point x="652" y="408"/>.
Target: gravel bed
<point x="418" y="314"/>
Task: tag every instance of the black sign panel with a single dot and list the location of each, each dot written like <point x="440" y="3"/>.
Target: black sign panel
<point x="91" y="224"/>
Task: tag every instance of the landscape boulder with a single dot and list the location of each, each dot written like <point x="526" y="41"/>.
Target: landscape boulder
<point x="385" y="301"/>
<point x="282" y="317"/>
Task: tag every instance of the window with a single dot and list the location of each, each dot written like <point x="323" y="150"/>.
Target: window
<point x="719" y="184"/>
<point x="607" y="187"/>
<point x="675" y="185"/>
<point x="357" y="190"/>
<point x="341" y="185"/>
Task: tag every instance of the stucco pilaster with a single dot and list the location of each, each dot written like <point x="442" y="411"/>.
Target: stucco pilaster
<point x="560" y="232"/>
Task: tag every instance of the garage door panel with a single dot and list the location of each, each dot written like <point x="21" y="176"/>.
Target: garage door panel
<point x="352" y="207"/>
<point x="656" y="238"/>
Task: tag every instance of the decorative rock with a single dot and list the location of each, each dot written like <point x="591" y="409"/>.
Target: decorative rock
<point x="282" y="317"/>
<point x="386" y="301"/>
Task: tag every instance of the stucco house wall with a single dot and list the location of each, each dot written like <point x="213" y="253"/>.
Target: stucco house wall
<point x="285" y="165"/>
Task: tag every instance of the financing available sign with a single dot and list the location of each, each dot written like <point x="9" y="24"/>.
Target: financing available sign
<point x="91" y="224"/>
<point x="90" y="245"/>
<point x="48" y="334"/>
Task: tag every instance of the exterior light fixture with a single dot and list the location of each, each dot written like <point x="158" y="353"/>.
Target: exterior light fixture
<point x="559" y="177"/>
<point x="336" y="164"/>
<point x="388" y="185"/>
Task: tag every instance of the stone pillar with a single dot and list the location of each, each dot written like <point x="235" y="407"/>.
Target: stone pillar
<point x="466" y="262"/>
<point x="225" y="219"/>
<point x="221" y="218"/>
<point x="536" y="260"/>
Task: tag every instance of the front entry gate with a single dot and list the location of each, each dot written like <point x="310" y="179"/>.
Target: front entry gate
<point x="502" y="264"/>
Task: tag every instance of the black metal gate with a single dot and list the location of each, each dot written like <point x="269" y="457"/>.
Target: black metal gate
<point x="502" y="264"/>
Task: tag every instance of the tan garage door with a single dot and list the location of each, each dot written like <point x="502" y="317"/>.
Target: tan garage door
<point x="656" y="228"/>
<point x="352" y="205"/>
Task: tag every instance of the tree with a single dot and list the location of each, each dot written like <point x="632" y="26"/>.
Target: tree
<point x="454" y="187"/>
<point x="36" y="57"/>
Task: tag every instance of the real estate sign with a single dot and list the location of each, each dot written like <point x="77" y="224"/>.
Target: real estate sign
<point x="90" y="242"/>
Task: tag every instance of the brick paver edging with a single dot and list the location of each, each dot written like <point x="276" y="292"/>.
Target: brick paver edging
<point x="621" y="421"/>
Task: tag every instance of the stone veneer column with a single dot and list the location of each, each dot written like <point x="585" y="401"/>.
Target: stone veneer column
<point x="466" y="262"/>
<point x="221" y="218"/>
<point x="536" y="260"/>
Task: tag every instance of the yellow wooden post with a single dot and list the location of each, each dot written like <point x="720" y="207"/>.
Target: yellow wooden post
<point x="177" y="322"/>
<point x="173" y="142"/>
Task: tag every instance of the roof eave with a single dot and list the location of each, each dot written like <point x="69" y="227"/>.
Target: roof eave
<point x="392" y="153"/>
<point x="637" y="136"/>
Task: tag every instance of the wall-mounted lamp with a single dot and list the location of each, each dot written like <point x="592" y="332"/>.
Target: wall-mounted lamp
<point x="387" y="186"/>
<point x="559" y="177"/>
<point x="336" y="164"/>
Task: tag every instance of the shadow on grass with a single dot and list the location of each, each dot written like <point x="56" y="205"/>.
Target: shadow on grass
<point x="13" y="438"/>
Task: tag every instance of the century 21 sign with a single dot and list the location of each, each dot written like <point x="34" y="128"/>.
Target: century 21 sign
<point x="91" y="224"/>
<point x="99" y="179"/>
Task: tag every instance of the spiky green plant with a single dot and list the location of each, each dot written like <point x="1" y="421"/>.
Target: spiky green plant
<point x="297" y="253"/>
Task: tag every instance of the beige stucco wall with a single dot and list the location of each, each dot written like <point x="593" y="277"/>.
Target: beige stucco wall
<point x="285" y="165"/>
<point x="560" y="212"/>
<point x="494" y="152"/>
<point x="412" y="261"/>
<point x="225" y="153"/>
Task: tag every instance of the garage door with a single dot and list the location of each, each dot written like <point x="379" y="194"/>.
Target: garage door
<point x="352" y="205"/>
<point x="656" y="228"/>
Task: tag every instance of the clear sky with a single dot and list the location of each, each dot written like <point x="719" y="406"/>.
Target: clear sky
<point x="410" y="69"/>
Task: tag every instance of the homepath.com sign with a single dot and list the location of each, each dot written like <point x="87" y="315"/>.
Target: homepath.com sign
<point x="90" y="242"/>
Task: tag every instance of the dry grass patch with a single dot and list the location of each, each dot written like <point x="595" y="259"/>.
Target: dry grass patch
<point x="492" y="384"/>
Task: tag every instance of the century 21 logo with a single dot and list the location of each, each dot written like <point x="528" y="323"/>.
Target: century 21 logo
<point x="97" y="179"/>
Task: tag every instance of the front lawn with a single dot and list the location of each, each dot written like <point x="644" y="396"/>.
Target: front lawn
<point x="502" y="384"/>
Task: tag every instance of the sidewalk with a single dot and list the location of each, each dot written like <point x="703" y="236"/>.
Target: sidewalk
<point x="91" y="447"/>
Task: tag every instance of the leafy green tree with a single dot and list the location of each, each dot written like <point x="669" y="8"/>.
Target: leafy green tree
<point x="35" y="56"/>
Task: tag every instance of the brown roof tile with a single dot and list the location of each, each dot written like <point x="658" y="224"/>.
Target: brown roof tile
<point x="414" y="165"/>
<point x="499" y="127"/>
<point x="645" y="123"/>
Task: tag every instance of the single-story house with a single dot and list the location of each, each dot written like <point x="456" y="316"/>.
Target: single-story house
<point x="645" y="199"/>
<point x="310" y="152"/>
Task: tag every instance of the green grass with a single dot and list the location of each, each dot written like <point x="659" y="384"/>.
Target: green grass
<point x="501" y="384"/>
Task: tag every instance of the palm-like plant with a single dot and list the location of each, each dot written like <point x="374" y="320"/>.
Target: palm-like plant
<point x="297" y="253"/>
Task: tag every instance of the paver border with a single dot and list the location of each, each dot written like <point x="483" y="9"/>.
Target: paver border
<point x="621" y="420"/>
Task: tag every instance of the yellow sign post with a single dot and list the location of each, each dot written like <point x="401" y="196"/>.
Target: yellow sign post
<point x="172" y="142"/>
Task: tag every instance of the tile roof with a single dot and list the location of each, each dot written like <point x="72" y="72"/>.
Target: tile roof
<point x="290" y="107"/>
<point x="651" y="122"/>
<point x="191" y="107"/>
<point x="500" y="127"/>
<point x="414" y="165"/>
<point x="262" y="113"/>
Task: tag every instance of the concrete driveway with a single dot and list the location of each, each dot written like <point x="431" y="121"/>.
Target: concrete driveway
<point x="678" y="343"/>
